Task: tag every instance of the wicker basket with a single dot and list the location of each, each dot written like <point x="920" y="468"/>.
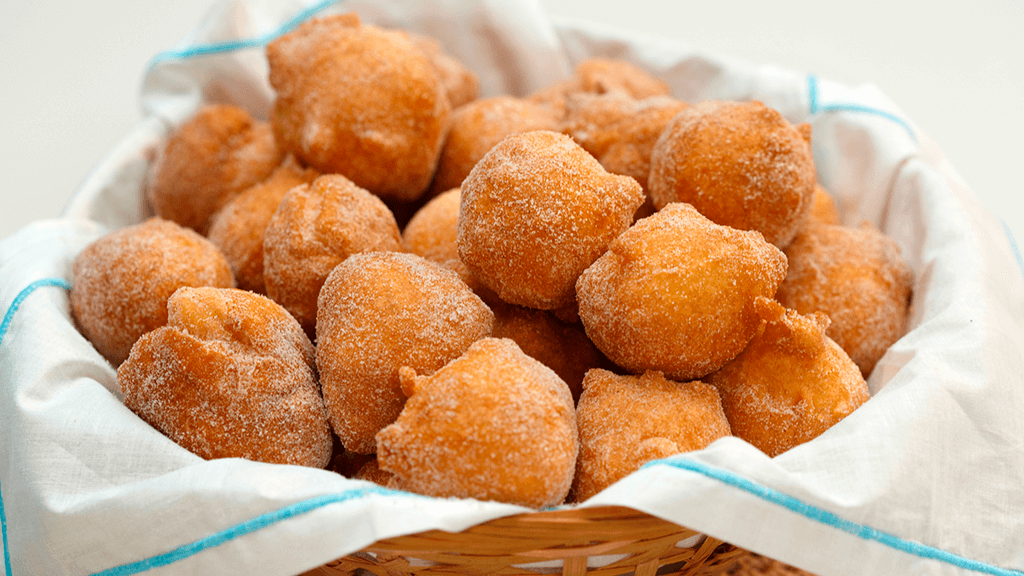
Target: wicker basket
<point x="601" y="541"/>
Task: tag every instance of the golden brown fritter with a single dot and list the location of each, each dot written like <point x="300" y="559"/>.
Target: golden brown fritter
<point x="536" y="211"/>
<point x="627" y="421"/>
<point x="859" y="279"/>
<point x="493" y="424"/>
<point x="121" y="282"/>
<point x="675" y="293"/>
<point x="230" y="376"/>
<point x="206" y="162"/>
<point x="360" y="101"/>
<point x="740" y="165"/>
<point x="790" y="384"/>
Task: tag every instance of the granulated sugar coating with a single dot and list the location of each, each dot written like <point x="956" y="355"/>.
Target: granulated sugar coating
<point x="675" y="293"/>
<point x="230" y="376"/>
<point x="589" y="118"/>
<point x="493" y="424"/>
<point x="211" y="158"/>
<point x="741" y="165"/>
<point x="536" y="211"/>
<point x="790" y="384"/>
<point x="432" y="233"/>
<point x="460" y="84"/>
<point x="121" y="282"/>
<point x="378" y="312"/>
<point x="360" y="101"/>
<point x="237" y="228"/>
<point x="479" y="126"/>
<point x="629" y="142"/>
<point x="856" y="276"/>
<point x="562" y="347"/>
<point x="626" y="421"/>
<point x="316" y="226"/>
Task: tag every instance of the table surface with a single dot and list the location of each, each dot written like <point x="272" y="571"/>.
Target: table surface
<point x="71" y="72"/>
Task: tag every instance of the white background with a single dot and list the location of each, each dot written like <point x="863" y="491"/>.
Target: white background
<point x="70" y="73"/>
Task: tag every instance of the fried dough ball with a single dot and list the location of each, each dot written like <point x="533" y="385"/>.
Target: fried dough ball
<point x="741" y="165"/>
<point x="600" y="76"/>
<point x="230" y="376"/>
<point x="562" y="347"/>
<point x="237" y="228"/>
<point x="823" y="207"/>
<point x="359" y="101"/>
<point x="121" y="282"/>
<point x="214" y="156"/>
<point x="589" y="118"/>
<point x="536" y="211"/>
<point x="675" y="293"/>
<point x="859" y="279"/>
<point x="316" y="226"/>
<point x="790" y="384"/>
<point x="380" y="311"/>
<point x="627" y="421"/>
<point x="627" y="144"/>
<point x="481" y="125"/>
<point x="432" y="232"/>
<point x="461" y="85"/>
<point x="493" y="424"/>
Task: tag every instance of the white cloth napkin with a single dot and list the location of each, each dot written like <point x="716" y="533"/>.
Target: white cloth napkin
<point x="926" y="478"/>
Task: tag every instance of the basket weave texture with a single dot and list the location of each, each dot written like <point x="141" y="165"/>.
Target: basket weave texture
<point x="600" y="541"/>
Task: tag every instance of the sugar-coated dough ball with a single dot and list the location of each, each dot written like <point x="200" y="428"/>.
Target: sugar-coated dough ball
<point x="230" y="376"/>
<point x="859" y="279"/>
<point x="461" y="85"/>
<point x="560" y="346"/>
<point x="432" y="233"/>
<point x="741" y="165"/>
<point x="493" y="424"/>
<point x="207" y="161"/>
<point x="316" y="226"/>
<point x="790" y="384"/>
<point x="359" y="101"/>
<point x="675" y="293"/>
<point x="479" y="126"/>
<point x="536" y="211"/>
<point x="627" y="144"/>
<point x="121" y="282"/>
<point x="237" y="228"/>
<point x="378" y="312"/>
<point x="627" y="421"/>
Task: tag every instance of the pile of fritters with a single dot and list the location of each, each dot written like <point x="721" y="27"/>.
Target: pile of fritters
<point x="506" y="298"/>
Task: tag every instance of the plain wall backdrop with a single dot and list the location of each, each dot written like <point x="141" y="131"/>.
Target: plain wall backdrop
<point x="70" y="74"/>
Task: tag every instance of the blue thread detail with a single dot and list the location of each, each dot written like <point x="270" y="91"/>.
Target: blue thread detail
<point x="814" y="106"/>
<point x="3" y="529"/>
<point x="257" y="523"/>
<point x="830" y="519"/>
<point x="1013" y="245"/>
<point x="233" y="45"/>
<point x="812" y="94"/>
<point x="8" y="317"/>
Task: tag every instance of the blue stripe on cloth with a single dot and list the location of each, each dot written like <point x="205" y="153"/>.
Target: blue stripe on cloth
<point x="830" y="519"/>
<point x="8" y="317"/>
<point x="257" y="523"/>
<point x="1013" y="245"/>
<point x="815" y="106"/>
<point x="233" y="45"/>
